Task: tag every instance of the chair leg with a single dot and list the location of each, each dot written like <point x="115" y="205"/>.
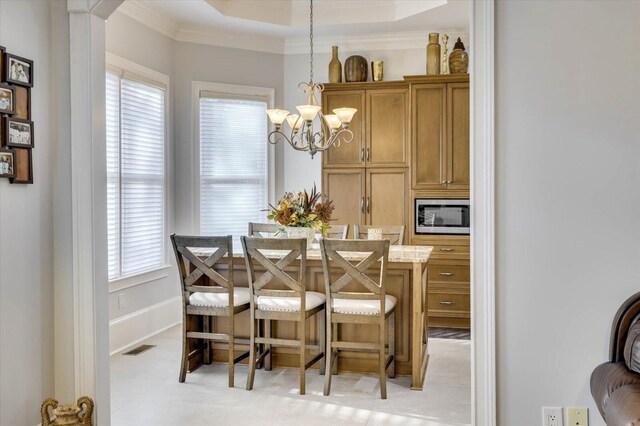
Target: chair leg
<point x="260" y="331"/>
<point x="303" y="358"/>
<point x="231" y="351"/>
<point x="267" y="333"/>
<point x="334" y="354"/>
<point x="206" y="325"/>
<point x="185" y="352"/>
<point x="320" y="316"/>
<point x="328" y="355"/>
<point x="252" y="352"/>
<point x="382" y="360"/>
<point x="392" y="344"/>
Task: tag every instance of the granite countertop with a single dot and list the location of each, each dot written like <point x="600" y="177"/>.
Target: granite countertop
<point x="397" y="254"/>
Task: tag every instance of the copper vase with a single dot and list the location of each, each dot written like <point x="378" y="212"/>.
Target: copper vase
<point x="335" y="67"/>
<point x="458" y="59"/>
<point x="433" y="54"/>
<point x="355" y="69"/>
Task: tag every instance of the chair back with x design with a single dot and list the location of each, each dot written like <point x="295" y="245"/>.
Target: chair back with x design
<point x="195" y="272"/>
<point x="275" y="269"/>
<point x="264" y="230"/>
<point x="336" y="252"/>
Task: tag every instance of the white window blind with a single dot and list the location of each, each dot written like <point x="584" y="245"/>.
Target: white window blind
<point x="233" y="165"/>
<point x="135" y="175"/>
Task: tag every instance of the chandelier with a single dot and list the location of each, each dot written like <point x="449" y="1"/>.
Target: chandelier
<point x="334" y="127"/>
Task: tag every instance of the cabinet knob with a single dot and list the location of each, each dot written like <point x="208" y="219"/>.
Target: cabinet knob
<point x="444" y="181"/>
<point x="446" y="274"/>
<point x="446" y="249"/>
<point x="447" y="302"/>
<point x="362" y="155"/>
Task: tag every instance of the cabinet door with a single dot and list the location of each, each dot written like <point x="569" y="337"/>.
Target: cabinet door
<point x="458" y="136"/>
<point x="387" y="202"/>
<point x="346" y="188"/>
<point x="387" y="128"/>
<point x="347" y="154"/>
<point x="428" y="133"/>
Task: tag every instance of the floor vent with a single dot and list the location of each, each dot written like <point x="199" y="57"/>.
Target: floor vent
<point x="139" y="349"/>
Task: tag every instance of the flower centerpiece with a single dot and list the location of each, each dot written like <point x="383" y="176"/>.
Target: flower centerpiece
<point x="303" y="214"/>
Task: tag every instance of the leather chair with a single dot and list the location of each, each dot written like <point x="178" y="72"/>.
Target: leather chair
<point x="615" y="385"/>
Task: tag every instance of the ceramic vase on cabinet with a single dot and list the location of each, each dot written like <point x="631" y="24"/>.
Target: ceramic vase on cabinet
<point x="301" y="232"/>
<point x="458" y="59"/>
<point x="355" y="69"/>
<point x="433" y="54"/>
<point x="335" y="67"/>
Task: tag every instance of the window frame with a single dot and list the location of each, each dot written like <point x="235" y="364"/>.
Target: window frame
<point x="232" y="91"/>
<point x="133" y="71"/>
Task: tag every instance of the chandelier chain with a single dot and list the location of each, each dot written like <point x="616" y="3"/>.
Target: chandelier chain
<point x="311" y="39"/>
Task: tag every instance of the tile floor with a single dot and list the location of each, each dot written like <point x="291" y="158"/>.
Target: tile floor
<point x="145" y="391"/>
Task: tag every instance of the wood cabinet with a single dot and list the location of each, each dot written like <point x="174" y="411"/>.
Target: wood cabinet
<point x="380" y="127"/>
<point x="346" y="188"/>
<point x="440" y="143"/>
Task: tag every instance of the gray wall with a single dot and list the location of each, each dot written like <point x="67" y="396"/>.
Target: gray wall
<point x="26" y="234"/>
<point x="135" y="42"/>
<point x="568" y="174"/>
<point x="198" y="62"/>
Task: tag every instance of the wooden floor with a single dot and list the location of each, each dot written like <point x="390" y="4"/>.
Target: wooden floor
<point x="145" y="391"/>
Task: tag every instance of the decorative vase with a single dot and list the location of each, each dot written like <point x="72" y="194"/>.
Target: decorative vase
<point x="458" y="59"/>
<point x="67" y="414"/>
<point x="301" y="232"/>
<point x="335" y="67"/>
<point x="445" y="55"/>
<point x="377" y="70"/>
<point x="355" y="69"/>
<point x="433" y="54"/>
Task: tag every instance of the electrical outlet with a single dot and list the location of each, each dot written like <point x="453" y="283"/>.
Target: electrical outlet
<point x="577" y="416"/>
<point x="552" y="416"/>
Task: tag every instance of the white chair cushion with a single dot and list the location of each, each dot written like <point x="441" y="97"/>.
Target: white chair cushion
<point x="290" y="304"/>
<point x="362" y="307"/>
<point x="220" y="300"/>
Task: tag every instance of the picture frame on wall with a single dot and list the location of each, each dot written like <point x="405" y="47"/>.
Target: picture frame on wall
<point x="23" y="166"/>
<point x="3" y="50"/>
<point x="7" y="99"/>
<point x="7" y="163"/>
<point x="18" y="133"/>
<point x="18" y="70"/>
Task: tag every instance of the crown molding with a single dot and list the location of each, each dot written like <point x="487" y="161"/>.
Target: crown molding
<point x="368" y="42"/>
<point x="151" y="18"/>
<point x="289" y="46"/>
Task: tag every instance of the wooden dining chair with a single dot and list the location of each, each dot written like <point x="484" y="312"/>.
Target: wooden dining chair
<point x="206" y="293"/>
<point x="339" y="232"/>
<point x="370" y="305"/>
<point x="264" y="230"/>
<point x="279" y="295"/>
<point x="395" y="234"/>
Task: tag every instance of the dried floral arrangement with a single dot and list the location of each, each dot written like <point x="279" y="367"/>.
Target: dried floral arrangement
<point x="303" y="210"/>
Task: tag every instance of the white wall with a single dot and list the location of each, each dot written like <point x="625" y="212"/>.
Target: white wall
<point x="568" y="176"/>
<point x="301" y="172"/>
<point x="137" y="43"/>
<point x="198" y="62"/>
<point x="26" y="235"/>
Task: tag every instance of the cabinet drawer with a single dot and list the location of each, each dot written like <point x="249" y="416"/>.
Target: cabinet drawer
<point x="443" y="302"/>
<point x="447" y="251"/>
<point x="449" y="273"/>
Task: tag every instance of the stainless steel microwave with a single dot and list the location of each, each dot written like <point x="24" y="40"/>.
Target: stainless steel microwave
<point x="442" y="216"/>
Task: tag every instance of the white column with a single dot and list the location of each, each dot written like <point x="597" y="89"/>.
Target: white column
<point x="483" y="214"/>
<point x="81" y="287"/>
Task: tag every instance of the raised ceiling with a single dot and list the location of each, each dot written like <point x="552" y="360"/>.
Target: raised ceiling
<point x="282" y="25"/>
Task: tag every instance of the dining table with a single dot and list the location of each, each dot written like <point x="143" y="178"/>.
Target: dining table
<point x="406" y="279"/>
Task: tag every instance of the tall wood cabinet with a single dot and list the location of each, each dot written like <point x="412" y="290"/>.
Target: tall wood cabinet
<point x="368" y="179"/>
<point x="411" y="140"/>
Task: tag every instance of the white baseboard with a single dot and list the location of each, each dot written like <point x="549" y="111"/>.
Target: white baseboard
<point x="133" y="328"/>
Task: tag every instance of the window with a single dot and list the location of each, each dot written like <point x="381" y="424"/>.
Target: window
<point x="135" y="121"/>
<point x="234" y="162"/>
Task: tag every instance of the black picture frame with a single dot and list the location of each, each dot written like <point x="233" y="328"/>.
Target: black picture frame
<point x="13" y="158"/>
<point x="8" y="59"/>
<point x="6" y="126"/>
<point x="29" y="153"/>
<point x="12" y="111"/>
<point x="3" y="50"/>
